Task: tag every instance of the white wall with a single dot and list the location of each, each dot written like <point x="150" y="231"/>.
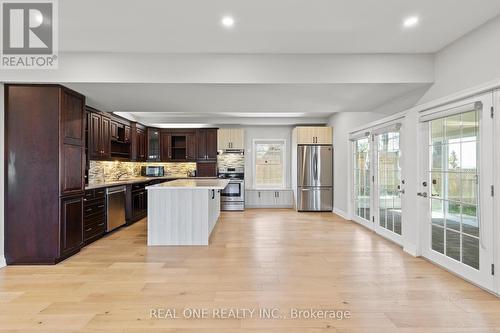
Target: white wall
<point x="471" y="60"/>
<point x="266" y="132"/>
<point x="345" y="122"/>
<point x="2" y="136"/>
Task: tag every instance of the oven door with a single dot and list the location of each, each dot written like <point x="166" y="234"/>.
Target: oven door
<point x="234" y="191"/>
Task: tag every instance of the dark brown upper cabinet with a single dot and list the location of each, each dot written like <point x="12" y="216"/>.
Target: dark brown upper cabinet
<point x="138" y="140"/>
<point x="45" y="138"/>
<point x="178" y="146"/>
<point x="128" y="135"/>
<point x="99" y="137"/>
<point x="114" y="130"/>
<point x="206" y="140"/>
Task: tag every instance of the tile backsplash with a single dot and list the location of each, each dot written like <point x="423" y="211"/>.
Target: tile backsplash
<point x="230" y="160"/>
<point x="107" y="171"/>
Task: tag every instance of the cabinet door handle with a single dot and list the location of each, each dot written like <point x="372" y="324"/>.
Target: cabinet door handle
<point x="259" y="194"/>
<point x="89" y="229"/>
<point x="213" y="194"/>
<point x="101" y="224"/>
<point x="88" y="209"/>
<point x="100" y="206"/>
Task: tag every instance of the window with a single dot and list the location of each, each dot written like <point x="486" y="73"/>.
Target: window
<point x="269" y="157"/>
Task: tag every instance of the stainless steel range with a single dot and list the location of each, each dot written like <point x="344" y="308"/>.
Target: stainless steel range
<point x="233" y="196"/>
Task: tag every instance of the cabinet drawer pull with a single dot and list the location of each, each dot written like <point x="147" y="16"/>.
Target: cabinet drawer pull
<point x="89" y="229"/>
<point x="100" y="206"/>
<point x="88" y="209"/>
<point x="101" y="224"/>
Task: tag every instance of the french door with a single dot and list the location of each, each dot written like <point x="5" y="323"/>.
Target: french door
<point x="378" y="184"/>
<point x="456" y="189"/>
<point x="389" y="184"/>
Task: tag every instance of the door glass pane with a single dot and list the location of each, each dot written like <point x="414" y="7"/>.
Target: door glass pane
<point x="469" y="187"/>
<point x="437" y="185"/>
<point x="470" y="126"/>
<point x="438" y="239"/>
<point x="470" y="223"/>
<point x="453" y="244"/>
<point x="437" y="212"/>
<point x="452" y="127"/>
<point x="470" y="248"/>
<point x="453" y="175"/>
<point x="389" y="181"/>
<point x="437" y="156"/>
<point x="437" y="131"/>
<point x="362" y="178"/>
<point x="453" y="156"/>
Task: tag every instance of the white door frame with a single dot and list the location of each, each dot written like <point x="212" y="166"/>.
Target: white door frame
<point x="496" y="182"/>
<point x="482" y="277"/>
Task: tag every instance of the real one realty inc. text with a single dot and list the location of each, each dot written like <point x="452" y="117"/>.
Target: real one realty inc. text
<point x="248" y="313"/>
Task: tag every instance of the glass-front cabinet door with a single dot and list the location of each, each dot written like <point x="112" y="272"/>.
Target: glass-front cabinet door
<point x="457" y="191"/>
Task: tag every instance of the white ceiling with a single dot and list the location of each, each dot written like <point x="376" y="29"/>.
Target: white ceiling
<point x="238" y="103"/>
<point x="267" y="26"/>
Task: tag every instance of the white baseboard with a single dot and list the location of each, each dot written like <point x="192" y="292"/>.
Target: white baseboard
<point x="341" y="213"/>
<point x="411" y="250"/>
<point x="2" y="262"/>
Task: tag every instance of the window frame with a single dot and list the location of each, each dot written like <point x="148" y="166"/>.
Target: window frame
<point x="281" y="186"/>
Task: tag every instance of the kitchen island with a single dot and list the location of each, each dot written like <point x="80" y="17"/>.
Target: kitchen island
<point x="183" y="211"/>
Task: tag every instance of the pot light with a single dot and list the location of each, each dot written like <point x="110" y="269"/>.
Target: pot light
<point x="411" y="21"/>
<point x="227" y="21"/>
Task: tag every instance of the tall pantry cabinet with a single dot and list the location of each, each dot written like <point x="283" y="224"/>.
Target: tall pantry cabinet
<point x="44" y="173"/>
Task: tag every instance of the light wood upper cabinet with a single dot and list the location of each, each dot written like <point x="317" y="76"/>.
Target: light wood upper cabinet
<point x="237" y="138"/>
<point x="230" y="138"/>
<point x="314" y="135"/>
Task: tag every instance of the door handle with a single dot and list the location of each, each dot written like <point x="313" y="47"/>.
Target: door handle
<point x="422" y="194"/>
<point x="213" y="194"/>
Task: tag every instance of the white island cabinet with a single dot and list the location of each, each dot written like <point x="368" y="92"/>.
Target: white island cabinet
<point x="184" y="211"/>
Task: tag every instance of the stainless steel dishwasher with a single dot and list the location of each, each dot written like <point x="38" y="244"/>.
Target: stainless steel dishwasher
<point x="115" y="202"/>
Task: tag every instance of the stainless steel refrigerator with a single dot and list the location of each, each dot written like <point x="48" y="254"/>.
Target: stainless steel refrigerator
<point x="315" y="178"/>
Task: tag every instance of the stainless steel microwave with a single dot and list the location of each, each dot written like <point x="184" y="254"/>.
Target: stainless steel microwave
<point x="152" y="171"/>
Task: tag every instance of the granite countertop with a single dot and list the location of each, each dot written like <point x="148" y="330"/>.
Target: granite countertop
<point x="192" y="184"/>
<point x="140" y="180"/>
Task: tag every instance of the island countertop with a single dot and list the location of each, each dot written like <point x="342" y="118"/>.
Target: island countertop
<point x="192" y="184"/>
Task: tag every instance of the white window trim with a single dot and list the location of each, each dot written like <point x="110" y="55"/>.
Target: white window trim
<point x="284" y="164"/>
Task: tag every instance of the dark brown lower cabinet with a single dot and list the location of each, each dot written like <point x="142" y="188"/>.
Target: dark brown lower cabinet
<point x="137" y="202"/>
<point x="71" y="224"/>
<point x="94" y="215"/>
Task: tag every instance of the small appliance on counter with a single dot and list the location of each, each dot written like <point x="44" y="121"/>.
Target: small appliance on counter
<point x="233" y="196"/>
<point x="152" y="171"/>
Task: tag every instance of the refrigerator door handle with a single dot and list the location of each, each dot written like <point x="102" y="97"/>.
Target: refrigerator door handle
<point x="315" y="166"/>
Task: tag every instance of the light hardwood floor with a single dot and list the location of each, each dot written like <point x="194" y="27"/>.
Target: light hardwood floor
<point x="257" y="259"/>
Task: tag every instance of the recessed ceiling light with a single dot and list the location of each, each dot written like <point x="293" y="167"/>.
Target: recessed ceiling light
<point x="410" y="21"/>
<point x="227" y="21"/>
